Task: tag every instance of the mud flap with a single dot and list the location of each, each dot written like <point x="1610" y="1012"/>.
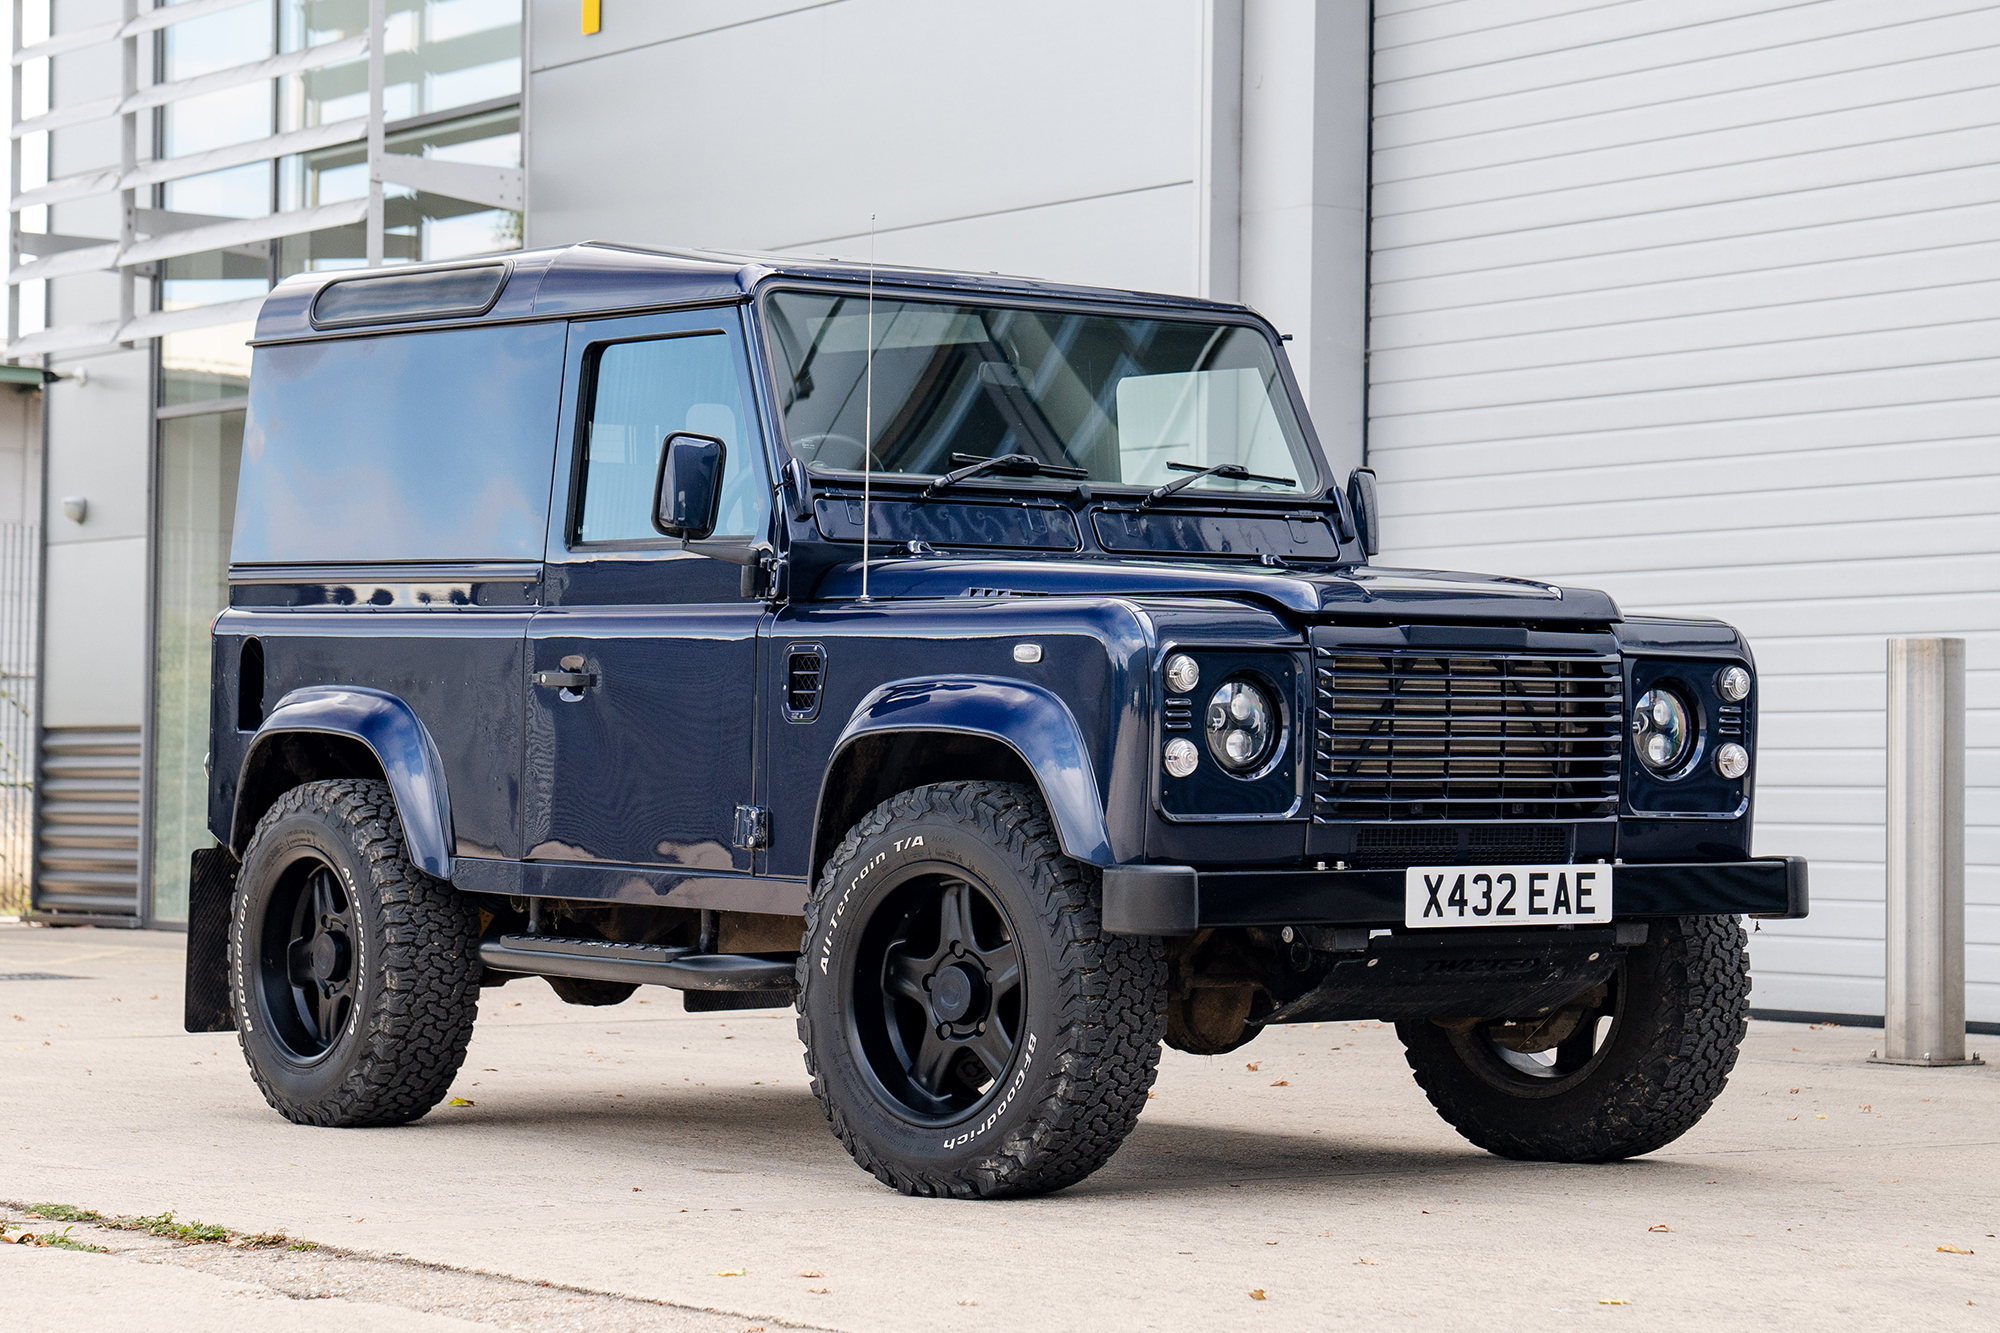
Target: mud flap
<point x="211" y="885"/>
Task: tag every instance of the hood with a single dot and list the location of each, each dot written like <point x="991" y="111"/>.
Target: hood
<point x="1359" y="590"/>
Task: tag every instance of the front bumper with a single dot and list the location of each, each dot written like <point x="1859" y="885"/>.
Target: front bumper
<point x="1179" y="900"/>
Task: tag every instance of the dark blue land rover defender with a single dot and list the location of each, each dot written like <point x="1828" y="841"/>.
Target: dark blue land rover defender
<point x="991" y="668"/>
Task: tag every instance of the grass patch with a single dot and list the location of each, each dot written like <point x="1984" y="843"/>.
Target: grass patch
<point x="161" y="1224"/>
<point x="63" y="1242"/>
<point x="302" y="1245"/>
<point x="164" y="1225"/>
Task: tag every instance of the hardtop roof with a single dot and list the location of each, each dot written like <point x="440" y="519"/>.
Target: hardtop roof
<point x="595" y="277"/>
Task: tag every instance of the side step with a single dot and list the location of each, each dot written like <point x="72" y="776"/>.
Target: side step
<point x="645" y="964"/>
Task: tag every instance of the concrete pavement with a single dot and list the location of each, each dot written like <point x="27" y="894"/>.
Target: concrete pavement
<point x="643" y="1155"/>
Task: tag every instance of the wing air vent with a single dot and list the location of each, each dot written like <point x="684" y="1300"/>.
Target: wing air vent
<point x="805" y="677"/>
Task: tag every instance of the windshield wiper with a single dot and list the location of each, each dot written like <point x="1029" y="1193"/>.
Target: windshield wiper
<point x="1233" y="471"/>
<point x="1011" y="465"/>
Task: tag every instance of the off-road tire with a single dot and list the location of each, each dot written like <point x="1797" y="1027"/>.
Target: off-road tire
<point x="416" y="966"/>
<point x="1093" y="1005"/>
<point x="1682" y="1012"/>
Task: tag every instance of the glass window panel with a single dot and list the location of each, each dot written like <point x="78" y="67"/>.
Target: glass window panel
<point x="219" y="41"/>
<point x="440" y="54"/>
<point x="423" y="226"/>
<point x="328" y="176"/>
<point x="216" y="120"/>
<point x="239" y="192"/>
<point x="199" y="365"/>
<point x="197" y="490"/>
<point x="645" y="392"/>
<point x="1120" y="397"/>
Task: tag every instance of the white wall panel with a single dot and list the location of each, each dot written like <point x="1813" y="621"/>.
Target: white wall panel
<point x="1698" y="301"/>
<point x="755" y="124"/>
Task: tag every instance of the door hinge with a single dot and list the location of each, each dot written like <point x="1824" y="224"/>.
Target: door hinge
<point x="753" y="827"/>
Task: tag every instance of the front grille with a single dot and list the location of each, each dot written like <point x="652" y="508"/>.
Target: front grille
<point x="1460" y="845"/>
<point x="1447" y="736"/>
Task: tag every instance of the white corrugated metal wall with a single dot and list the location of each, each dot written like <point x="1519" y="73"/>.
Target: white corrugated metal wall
<point x="1698" y="301"/>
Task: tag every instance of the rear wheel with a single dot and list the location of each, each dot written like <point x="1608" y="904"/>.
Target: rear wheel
<point x="1627" y="1068"/>
<point x="353" y="975"/>
<point x="969" y="1028"/>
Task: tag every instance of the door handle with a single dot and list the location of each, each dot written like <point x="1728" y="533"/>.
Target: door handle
<point x="565" y="680"/>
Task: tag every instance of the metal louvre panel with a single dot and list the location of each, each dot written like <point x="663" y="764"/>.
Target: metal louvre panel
<point x="87" y="842"/>
<point x="1462" y="735"/>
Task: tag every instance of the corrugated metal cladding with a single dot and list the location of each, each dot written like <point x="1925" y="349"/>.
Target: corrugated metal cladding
<point x="1698" y="301"/>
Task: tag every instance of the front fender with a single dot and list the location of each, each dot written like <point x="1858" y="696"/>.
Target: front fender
<point x="1026" y="718"/>
<point x="400" y="743"/>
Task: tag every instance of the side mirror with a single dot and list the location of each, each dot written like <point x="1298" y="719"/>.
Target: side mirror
<point x="1368" y="518"/>
<point x="689" y="489"/>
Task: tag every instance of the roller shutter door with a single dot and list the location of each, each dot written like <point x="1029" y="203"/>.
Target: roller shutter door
<point x="87" y="834"/>
<point x="1699" y="303"/>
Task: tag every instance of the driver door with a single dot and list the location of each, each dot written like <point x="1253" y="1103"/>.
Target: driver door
<point x="641" y="718"/>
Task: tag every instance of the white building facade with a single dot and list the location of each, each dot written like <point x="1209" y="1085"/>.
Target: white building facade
<point x="1686" y="300"/>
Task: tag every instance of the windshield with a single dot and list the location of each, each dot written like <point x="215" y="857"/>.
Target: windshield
<point x="1117" y="397"/>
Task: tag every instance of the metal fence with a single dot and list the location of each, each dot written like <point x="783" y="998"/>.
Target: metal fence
<point x="20" y="591"/>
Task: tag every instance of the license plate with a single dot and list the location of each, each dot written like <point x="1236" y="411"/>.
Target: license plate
<point x="1506" y="895"/>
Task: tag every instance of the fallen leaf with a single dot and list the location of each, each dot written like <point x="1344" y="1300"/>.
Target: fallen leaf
<point x="1372" y="1263"/>
<point x="733" y="1272"/>
<point x="1257" y="1293"/>
<point x="1281" y="1083"/>
<point x="1660" y="1227"/>
<point x="819" y="1291"/>
<point x="810" y="1272"/>
<point x="461" y="1101"/>
<point x="1795" y="1090"/>
<point x="1819" y="1117"/>
<point x="1252" y="1066"/>
<point x="1867" y="1108"/>
<point x="1612" y="1300"/>
<point x="1951" y="1249"/>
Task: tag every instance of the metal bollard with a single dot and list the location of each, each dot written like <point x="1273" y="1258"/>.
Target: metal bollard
<point x="1924" y="1013"/>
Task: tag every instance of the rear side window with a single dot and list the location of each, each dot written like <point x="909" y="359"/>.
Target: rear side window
<point x="644" y="392"/>
<point x="412" y="446"/>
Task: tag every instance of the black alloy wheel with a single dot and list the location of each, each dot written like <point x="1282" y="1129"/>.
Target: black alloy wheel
<point x="307" y="960"/>
<point x="354" y="976"/>
<point x="970" y="1030"/>
<point x="940" y="1027"/>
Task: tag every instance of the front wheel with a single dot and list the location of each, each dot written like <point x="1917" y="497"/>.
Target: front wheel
<point x="1625" y="1069"/>
<point x="969" y="1028"/>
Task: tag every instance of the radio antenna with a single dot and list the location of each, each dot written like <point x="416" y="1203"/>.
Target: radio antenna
<point x="868" y="416"/>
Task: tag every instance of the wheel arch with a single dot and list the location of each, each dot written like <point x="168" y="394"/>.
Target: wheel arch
<point x="342" y="731"/>
<point x="909" y="733"/>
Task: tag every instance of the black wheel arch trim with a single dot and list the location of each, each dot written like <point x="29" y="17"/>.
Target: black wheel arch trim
<point x="391" y="731"/>
<point x="1027" y="719"/>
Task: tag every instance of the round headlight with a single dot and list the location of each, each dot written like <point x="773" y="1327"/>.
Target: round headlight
<point x="1733" y="684"/>
<point x="1242" y="726"/>
<point x="1181" y="756"/>
<point x="1662" y="730"/>
<point x="1182" y="674"/>
<point x="1732" y="760"/>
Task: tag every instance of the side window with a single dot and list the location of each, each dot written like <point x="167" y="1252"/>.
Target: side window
<point x="645" y="391"/>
